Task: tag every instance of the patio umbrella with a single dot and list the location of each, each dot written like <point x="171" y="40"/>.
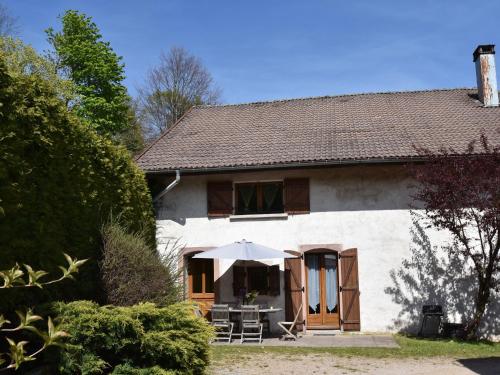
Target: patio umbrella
<point x="243" y="250"/>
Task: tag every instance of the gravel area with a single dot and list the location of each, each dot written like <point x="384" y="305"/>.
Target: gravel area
<point x="261" y="364"/>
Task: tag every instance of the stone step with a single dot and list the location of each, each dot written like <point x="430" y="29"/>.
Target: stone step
<point x="323" y="332"/>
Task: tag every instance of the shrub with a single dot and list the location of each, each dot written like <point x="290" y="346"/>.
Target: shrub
<point x="58" y="181"/>
<point x="140" y="339"/>
<point x="132" y="271"/>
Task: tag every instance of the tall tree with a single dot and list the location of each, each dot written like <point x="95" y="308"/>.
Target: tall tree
<point x="461" y="194"/>
<point x="8" y="23"/>
<point x="178" y="82"/>
<point x="97" y="71"/>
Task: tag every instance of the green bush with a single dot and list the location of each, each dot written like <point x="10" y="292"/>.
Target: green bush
<point x="132" y="271"/>
<point x="59" y="180"/>
<point x="140" y="339"/>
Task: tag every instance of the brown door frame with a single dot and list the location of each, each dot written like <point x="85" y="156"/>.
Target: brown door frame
<point x="204" y="299"/>
<point x="303" y="250"/>
<point x="323" y="320"/>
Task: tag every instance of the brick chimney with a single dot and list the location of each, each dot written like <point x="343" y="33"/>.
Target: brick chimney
<point x="484" y="58"/>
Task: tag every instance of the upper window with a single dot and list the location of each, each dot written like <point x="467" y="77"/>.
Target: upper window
<point x="225" y="198"/>
<point x="259" y="198"/>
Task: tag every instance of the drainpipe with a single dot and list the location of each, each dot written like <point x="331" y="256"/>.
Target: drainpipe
<point x="169" y="187"/>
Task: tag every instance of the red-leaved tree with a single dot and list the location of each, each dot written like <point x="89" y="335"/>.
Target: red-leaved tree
<point x="460" y="192"/>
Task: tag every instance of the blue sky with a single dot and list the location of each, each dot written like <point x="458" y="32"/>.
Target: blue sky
<point x="262" y="50"/>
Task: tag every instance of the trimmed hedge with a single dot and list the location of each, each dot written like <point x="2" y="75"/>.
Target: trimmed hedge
<point x="142" y="339"/>
<point x="59" y="181"/>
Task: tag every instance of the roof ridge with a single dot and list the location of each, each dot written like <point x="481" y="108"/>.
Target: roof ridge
<point x="331" y="96"/>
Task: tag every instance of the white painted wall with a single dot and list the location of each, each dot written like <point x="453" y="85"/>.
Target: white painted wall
<point x="366" y="207"/>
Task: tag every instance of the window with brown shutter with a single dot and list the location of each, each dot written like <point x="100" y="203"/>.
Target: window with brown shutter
<point x="220" y="198"/>
<point x="297" y="196"/>
<point x="263" y="279"/>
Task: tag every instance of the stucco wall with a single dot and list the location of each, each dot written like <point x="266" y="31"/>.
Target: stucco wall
<point x="366" y="207"/>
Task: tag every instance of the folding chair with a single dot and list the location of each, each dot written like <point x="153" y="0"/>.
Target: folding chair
<point x="288" y="327"/>
<point x="220" y="320"/>
<point x="251" y="327"/>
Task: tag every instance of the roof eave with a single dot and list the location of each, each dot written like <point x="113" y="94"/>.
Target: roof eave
<point x="294" y="165"/>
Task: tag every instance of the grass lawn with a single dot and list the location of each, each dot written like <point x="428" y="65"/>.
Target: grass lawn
<point x="410" y="347"/>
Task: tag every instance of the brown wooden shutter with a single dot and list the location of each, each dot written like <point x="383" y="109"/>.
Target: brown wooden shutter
<point x="293" y="290"/>
<point x="274" y="280"/>
<point x="297" y="195"/>
<point x="220" y="198"/>
<point x="238" y="280"/>
<point x="350" y="290"/>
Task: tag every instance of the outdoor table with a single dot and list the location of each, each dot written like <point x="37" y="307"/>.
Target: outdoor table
<point x="263" y="311"/>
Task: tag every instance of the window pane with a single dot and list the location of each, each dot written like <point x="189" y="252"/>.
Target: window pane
<point x="209" y="276"/>
<point x="313" y="282"/>
<point x="257" y="279"/>
<point x="272" y="197"/>
<point x="196" y="269"/>
<point x="331" y="283"/>
<point x="247" y="199"/>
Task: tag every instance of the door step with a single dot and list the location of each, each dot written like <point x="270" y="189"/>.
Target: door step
<point x="323" y="332"/>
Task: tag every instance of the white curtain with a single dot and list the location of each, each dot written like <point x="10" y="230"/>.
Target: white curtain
<point x="331" y="281"/>
<point x="313" y="280"/>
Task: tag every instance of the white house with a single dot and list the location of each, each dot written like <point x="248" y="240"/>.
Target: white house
<point x="324" y="178"/>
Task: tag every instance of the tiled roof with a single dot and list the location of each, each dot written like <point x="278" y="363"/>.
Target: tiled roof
<point x="347" y="128"/>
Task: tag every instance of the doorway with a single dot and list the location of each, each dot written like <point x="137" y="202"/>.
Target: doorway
<point x="322" y="291"/>
<point x="201" y="286"/>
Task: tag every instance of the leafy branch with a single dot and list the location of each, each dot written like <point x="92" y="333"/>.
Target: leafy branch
<point x="52" y="336"/>
<point x="15" y="277"/>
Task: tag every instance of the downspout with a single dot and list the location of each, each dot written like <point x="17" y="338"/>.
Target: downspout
<point x="169" y="187"/>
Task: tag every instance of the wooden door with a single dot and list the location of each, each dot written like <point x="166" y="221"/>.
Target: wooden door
<point x="293" y="290"/>
<point x="201" y="287"/>
<point x="322" y="297"/>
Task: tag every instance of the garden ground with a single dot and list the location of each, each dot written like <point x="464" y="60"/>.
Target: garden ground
<point x="415" y="356"/>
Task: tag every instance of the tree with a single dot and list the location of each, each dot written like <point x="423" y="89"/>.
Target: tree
<point x="461" y="194"/>
<point x="59" y="180"/>
<point x="8" y="24"/>
<point x="97" y="71"/>
<point x="22" y="60"/>
<point x="171" y="88"/>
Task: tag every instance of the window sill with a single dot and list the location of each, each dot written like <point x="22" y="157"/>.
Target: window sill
<point x="281" y="216"/>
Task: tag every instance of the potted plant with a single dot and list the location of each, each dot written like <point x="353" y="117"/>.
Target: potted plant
<point x="251" y="296"/>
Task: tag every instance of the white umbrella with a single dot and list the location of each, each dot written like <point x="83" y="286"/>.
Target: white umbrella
<point x="243" y="250"/>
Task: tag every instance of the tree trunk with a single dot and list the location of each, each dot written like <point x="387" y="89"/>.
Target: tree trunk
<point x="483" y="297"/>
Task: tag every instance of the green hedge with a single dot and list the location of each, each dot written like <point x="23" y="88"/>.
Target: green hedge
<point x="59" y="181"/>
<point x="142" y="339"/>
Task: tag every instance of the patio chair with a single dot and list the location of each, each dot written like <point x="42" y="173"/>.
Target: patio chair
<point x="220" y="320"/>
<point x="251" y="327"/>
<point x="288" y="327"/>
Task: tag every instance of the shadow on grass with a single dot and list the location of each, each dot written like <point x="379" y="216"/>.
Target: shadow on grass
<point x="482" y="366"/>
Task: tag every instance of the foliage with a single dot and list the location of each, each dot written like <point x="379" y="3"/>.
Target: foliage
<point x="132" y="271"/>
<point x="58" y="181"/>
<point x="95" y="69"/>
<point x="23" y="60"/>
<point x="460" y="193"/>
<point x="132" y="138"/>
<point x="175" y="85"/>
<point x="129" y="370"/>
<point x="52" y="336"/>
<point x="126" y="339"/>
